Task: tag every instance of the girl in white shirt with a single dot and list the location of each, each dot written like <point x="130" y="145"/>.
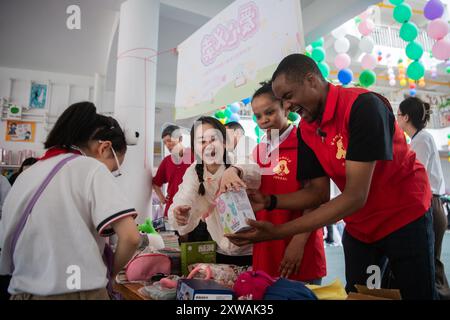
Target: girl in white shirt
<point x="413" y="116"/>
<point x="59" y="253"/>
<point x="202" y="182"/>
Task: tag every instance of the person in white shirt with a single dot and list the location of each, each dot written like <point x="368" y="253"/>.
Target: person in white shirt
<point x="413" y="116"/>
<point x="59" y="253"/>
<point x="210" y="174"/>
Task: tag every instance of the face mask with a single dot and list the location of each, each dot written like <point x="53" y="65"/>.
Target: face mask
<point x="116" y="173"/>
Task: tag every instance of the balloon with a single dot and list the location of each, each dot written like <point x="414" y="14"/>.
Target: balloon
<point x="342" y="61"/>
<point x="366" y="27"/>
<point x="412" y="86"/>
<point x="318" y="43"/>
<point x="220" y="114"/>
<point x="339" y="32"/>
<point x="235" y="117"/>
<point x="441" y="49"/>
<point x="447" y="69"/>
<point x="318" y="54"/>
<point x="433" y="9"/>
<point x="412" y="92"/>
<point x="235" y="107"/>
<point x="341" y="45"/>
<point x="366" y="44"/>
<point x="223" y="120"/>
<point x="324" y="68"/>
<point x="369" y="61"/>
<point x="403" y="82"/>
<point x="246" y="101"/>
<point x="437" y="29"/>
<point x="396" y="2"/>
<point x="416" y="70"/>
<point x="345" y="76"/>
<point x="367" y="78"/>
<point x="414" y="50"/>
<point x="293" y="116"/>
<point x="409" y="31"/>
<point x="392" y="83"/>
<point x="228" y="112"/>
<point x="402" y="13"/>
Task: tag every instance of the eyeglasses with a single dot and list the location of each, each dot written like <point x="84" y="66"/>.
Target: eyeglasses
<point x="116" y="173"/>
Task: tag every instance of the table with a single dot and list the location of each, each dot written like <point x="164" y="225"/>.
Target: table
<point x="129" y="291"/>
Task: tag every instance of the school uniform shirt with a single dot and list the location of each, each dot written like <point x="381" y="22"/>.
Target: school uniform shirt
<point x="171" y="171"/>
<point x="267" y="256"/>
<point x="359" y="125"/>
<point x="427" y="153"/>
<point x="66" y="228"/>
<point x="204" y="207"/>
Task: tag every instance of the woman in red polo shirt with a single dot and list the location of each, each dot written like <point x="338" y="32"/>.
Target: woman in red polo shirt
<point x="386" y="196"/>
<point x="301" y="257"/>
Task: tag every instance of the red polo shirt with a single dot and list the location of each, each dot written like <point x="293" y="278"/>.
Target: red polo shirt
<point x="359" y="125"/>
<point x="172" y="173"/>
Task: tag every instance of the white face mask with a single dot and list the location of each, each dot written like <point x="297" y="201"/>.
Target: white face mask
<point x="117" y="173"/>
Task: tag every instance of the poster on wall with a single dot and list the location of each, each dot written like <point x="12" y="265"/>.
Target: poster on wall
<point x="38" y="95"/>
<point x="20" y="131"/>
<point x="226" y="59"/>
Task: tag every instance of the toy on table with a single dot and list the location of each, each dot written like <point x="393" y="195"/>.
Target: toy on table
<point x="155" y="240"/>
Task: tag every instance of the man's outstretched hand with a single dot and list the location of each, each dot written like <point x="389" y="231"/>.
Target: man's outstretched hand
<point x="261" y="231"/>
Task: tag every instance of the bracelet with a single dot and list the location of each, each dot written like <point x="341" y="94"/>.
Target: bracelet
<point x="273" y="203"/>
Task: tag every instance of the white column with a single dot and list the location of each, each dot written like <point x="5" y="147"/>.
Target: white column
<point x="135" y="95"/>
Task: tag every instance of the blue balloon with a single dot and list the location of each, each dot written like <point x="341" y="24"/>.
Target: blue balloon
<point x="235" y="117"/>
<point x="345" y="76"/>
<point x="235" y="107"/>
<point x="246" y="101"/>
<point x="412" y="92"/>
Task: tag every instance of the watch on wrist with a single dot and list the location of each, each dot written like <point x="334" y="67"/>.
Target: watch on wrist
<point x="272" y="203"/>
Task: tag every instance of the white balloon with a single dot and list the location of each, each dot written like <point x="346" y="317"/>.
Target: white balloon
<point x="339" y="32"/>
<point x="392" y="83"/>
<point x="366" y="44"/>
<point x="341" y="45"/>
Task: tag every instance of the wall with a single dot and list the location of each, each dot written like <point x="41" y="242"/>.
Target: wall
<point x="62" y="90"/>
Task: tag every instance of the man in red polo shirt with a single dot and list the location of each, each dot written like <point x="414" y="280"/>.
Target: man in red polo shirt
<point x="386" y="196"/>
<point x="172" y="168"/>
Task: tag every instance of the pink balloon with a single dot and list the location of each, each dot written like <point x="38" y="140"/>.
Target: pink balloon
<point x="366" y="27"/>
<point x="369" y="61"/>
<point x="342" y="61"/>
<point x="441" y="49"/>
<point x="437" y="29"/>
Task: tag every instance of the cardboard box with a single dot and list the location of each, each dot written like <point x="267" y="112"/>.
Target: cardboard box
<point x="365" y="293"/>
<point x="234" y="208"/>
<point x="197" y="252"/>
<point x="196" y="289"/>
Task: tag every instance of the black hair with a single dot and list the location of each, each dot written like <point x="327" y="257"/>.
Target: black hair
<point x="27" y="162"/>
<point x="199" y="167"/>
<point x="169" y="130"/>
<point x="80" y="123"/>
<point x="233" y="125"/>
<point x="296" y="66"/>
<point x="266" y="88"/>
<point x="417" y="111"/>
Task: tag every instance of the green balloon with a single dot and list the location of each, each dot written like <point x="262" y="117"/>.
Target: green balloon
<point x="318" y="54"/>
<point x="228" y="112"/>
<point x="414" y="50"/>
<point x="415" y="70"/>
<point x="447" y="69"/>
<point x="396" y="2"/>
<point x="324" y="68"/>
<point x="318" y="43"/>
<point x="293" y="116"/>
<point x="220" y="114"/>
<point x="367" y="78"/>
<point x="357" y="20"/>
<point x="402" y="13"/>
<point x="308" y="54"/>
<point x="409" y="31"/>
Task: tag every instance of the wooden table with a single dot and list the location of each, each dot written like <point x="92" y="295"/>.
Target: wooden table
<point x="129" y="291"/>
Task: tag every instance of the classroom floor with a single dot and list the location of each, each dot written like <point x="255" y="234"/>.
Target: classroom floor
<point x="336" y="266"/>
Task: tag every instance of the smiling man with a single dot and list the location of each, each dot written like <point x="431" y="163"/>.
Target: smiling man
<point x="386" y="197"/>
